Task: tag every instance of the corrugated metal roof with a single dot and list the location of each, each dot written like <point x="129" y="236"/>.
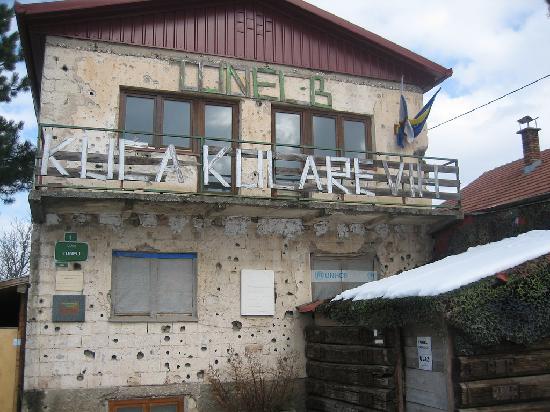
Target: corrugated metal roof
<point x="287" y="32"/>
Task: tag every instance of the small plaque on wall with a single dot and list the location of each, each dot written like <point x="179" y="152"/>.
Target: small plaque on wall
<point x="69" y="280"/>
<point x="257" y="292"/>
<point x="68" y="308"/>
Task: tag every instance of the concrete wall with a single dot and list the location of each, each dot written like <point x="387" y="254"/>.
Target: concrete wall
<point x="99" y="355"/>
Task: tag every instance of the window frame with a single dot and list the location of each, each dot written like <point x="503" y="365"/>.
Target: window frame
<point x="198" y="121"/>
<point x="155" y="316"/>
<point x="306" y="119"/>
<point x="147" y="403"/>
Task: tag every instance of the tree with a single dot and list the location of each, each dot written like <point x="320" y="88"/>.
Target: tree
<point x="16" y="158"/>
<point x="15" y="247"/>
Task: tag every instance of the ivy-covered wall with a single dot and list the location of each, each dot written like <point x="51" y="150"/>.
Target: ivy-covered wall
<point x="484" y="228"/>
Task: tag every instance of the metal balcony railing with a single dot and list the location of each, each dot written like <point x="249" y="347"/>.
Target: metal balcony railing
<point x="106" y="159"/>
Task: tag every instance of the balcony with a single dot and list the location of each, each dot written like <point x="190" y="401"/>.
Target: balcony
<point x="90" y="162"/>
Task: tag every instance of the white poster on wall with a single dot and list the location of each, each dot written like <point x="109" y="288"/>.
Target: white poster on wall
<point x="257" y="292"/>
<point x="424" y="347"/>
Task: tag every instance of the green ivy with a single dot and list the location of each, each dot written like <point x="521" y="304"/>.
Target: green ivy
<point x="488" y="312"/>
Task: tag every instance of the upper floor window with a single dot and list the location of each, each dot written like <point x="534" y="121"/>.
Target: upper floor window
<point x="153" y="286"/>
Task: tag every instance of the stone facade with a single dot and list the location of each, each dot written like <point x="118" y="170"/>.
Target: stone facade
<point x="83" y="365"/>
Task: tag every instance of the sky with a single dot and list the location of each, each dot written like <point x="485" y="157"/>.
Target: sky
<point x="493" y="47"/>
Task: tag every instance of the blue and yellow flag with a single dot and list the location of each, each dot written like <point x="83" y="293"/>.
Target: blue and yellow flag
<point x="417" y="123"/>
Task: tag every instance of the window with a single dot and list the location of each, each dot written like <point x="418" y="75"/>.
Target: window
<point x="331" y="275"/>
<point x="326" y="131"/>
<point x="147" y="405"/>
<point x="153" y="286"/>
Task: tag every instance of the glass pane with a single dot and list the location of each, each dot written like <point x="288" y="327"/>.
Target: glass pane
<point x="131" y="285"/>
<point x="355" y="139"/>
<point x="324" y="135"/>
<point x="287" y="131"/>
<point x="164" y="408"/>
<point x="218" y="123"/>
<point x="129" y="409"/>
<point x="176" y="120"/>
<point x="175" y="286"/>
<point x="139" y="118"/>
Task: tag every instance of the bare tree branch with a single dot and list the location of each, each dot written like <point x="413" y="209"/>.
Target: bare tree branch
<point x="15" y="248"/>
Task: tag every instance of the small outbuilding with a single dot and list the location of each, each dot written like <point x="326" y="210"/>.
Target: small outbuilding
<point x="466" y="333"/>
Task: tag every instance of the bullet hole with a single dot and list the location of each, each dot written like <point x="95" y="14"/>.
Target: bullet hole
<point x="182" y="329"/>
<point x="236" y="259"/>
<point x="140" y="355"/>
<point x="91" y="306"/>
<point x="181" y="340"/>
<point x="391" y="259"/>
<point x="80" y="377"/>
<point x="275" y="350"/>
<point x="151" y="352"/>
<point x="92" y="93"/>
<point x="273" y="340"/>
<point x="289" y="313"/>
<point x="65" y="68"/>
<point x="386" y="267"/>
<point x="101" y="315"/>
<point x="77" y="266"/>
<point x="218" y="266"/>
<point x="167" y="365"/>
<point x="45" y="326"/>
<point x="219" y="289"/>
<point x="239" y="336"/>
<point x="217" y="314"/>
<point x="301" y="282"/>
<point x="200" y="374"/>
<point x="290" y="294"/>
<point x="39" y="310"/>
<point x="115" y="340"/>
<point x="33" y="319"/>
<point x="45" y="356"/>
<point x="100" y="374"/>
<point x="269" y="331"/>
<point x="237" y="245"/>
<point x="288" y="338"/>
<point x="113" y="357"/>
<point x="229" y="257"/>
<point x="284" y="326"/>
<point x="178" y="366"/>
<point x="57" y="329"/>
<point x="167" y="338"/>
<point x="41" y="301"/>
<point x="165" y="329"/>
<point x="89" y="354"/>
<point x="286" y="281"/>
<point x="216" y="362"/>
<point x="188" y="377"/>
<point x="402" y="258"/>
<point x="187" y="365"/>
<point x="168" y="352"/>
<point x="237" y="325"/>
<point x="204" y="348"/>
<point x="252" y="335"/>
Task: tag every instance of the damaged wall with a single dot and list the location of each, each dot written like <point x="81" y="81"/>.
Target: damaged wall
<point x="91" y="357"/>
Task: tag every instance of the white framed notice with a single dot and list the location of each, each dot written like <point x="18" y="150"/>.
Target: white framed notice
<point x="69" y="280"/>
<point x="257" y="292"/>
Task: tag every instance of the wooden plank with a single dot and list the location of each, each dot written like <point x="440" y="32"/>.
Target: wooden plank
<point x="416" y="407"/>
<point x="129" y="160"/>
<point x="500" y="366"/>
<point x="464" y="348"/>
<point x="344" y="335"/>
<point x="330" y="405"/>
<point x="504" y="390"/>
<point x="382" y="399"/>
<point x="361" y="375"/>
<point x="350" y="354"/>
<point x="543" y="406"/>
<point x="426" y="388"/>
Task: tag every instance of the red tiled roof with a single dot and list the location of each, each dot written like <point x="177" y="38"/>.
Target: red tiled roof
<point x="507" y="184"/>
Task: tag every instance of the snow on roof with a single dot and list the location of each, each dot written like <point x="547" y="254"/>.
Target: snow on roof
<point x="456" y="271"/>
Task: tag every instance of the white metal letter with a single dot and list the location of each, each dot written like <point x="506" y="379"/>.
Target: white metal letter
<point x="360" y="175"/>
<point x="208" y="166"/>
<point x="170" y="154"/>
<point x="331" y="174"/>
<point x="310" y="164"/>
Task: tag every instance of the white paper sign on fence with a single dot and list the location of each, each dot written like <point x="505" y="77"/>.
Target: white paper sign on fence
<point x="424" y="347"/>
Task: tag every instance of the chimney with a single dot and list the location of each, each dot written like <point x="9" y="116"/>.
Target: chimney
<point x="531" y="147"/>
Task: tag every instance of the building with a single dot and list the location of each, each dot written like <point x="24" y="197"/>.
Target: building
<point x="204" y="169"/>
<point x="511" y="199"/>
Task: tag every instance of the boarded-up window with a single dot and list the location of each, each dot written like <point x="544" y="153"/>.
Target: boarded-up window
<point x="153" y="284"/>
<point x="331" y="275"/>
